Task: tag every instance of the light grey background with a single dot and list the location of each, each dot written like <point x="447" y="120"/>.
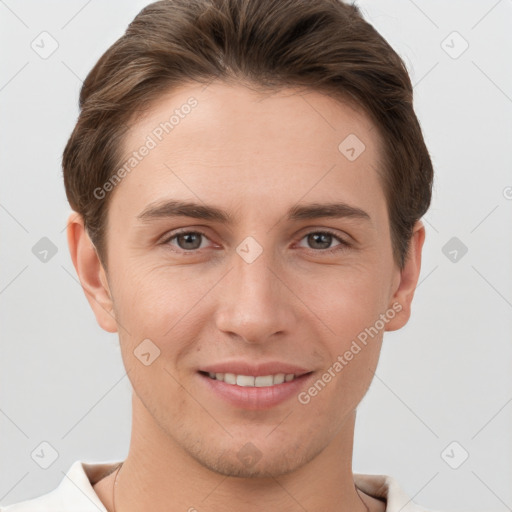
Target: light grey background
<point x="445" y="377"/>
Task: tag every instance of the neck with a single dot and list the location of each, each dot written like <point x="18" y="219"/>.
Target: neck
<point x="159" y="475"/>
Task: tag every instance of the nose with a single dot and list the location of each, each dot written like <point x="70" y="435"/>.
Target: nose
<point x="255" y="302"/>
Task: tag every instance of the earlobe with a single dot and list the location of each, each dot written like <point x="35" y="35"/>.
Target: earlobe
<point x="402" y="297"/>
<point x="91" y="273"/>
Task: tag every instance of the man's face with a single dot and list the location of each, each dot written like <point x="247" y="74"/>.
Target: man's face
<point x="271" y="288"/>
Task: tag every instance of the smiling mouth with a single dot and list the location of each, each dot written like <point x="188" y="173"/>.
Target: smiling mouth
<point x="250" y="381"/>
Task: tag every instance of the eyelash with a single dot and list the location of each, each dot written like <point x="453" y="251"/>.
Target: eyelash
<point x="343" y="245"/>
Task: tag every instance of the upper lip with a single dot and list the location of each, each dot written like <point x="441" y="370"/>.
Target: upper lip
<point x="255" y="370"/>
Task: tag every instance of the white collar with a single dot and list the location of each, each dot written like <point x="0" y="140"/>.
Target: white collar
<point x="75" y="492"/>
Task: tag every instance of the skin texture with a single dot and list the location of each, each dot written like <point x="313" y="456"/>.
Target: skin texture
<point x="255" y="156"/>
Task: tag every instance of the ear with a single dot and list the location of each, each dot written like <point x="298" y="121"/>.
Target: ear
<point x="407" y="280"/>
<point x="91" y="273"/>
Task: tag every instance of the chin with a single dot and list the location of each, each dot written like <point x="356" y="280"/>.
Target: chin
<point x="263" y="458"/>
<point x="229" y="464"/>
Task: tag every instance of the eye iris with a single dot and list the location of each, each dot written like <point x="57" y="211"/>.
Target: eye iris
<point x="314" y="238"/>
<point x="189" y="238"/>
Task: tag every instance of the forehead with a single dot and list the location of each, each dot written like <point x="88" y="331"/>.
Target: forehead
<point x="228" y="143"/>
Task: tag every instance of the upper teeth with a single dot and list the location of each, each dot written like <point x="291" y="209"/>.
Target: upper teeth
<point x="250" y="381"/>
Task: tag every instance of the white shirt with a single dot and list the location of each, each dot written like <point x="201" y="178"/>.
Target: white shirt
<point x="76" y="494"/>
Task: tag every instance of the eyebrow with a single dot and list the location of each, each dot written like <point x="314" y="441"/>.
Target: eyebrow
<point x="175" y="208"/>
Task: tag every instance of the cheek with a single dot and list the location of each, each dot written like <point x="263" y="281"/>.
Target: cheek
<point x="350" y="307"/>
<point x="156" y="309"/>
<point x="343" y="382"/>
<point x="157" y="299"/>
<point x="157" y="312"/>
<point x="167" y="304"/>
<point x="346" y="298"/>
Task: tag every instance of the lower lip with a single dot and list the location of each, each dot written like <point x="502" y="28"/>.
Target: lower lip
<point x="256" y="398"/>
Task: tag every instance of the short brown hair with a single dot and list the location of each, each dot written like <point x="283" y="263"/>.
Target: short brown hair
<point x="321" y="45"/>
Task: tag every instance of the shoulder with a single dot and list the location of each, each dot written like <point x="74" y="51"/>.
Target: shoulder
<point x="386" y="488"/>
<point x="43" y="503"/>
<point x="75" y="492"/>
